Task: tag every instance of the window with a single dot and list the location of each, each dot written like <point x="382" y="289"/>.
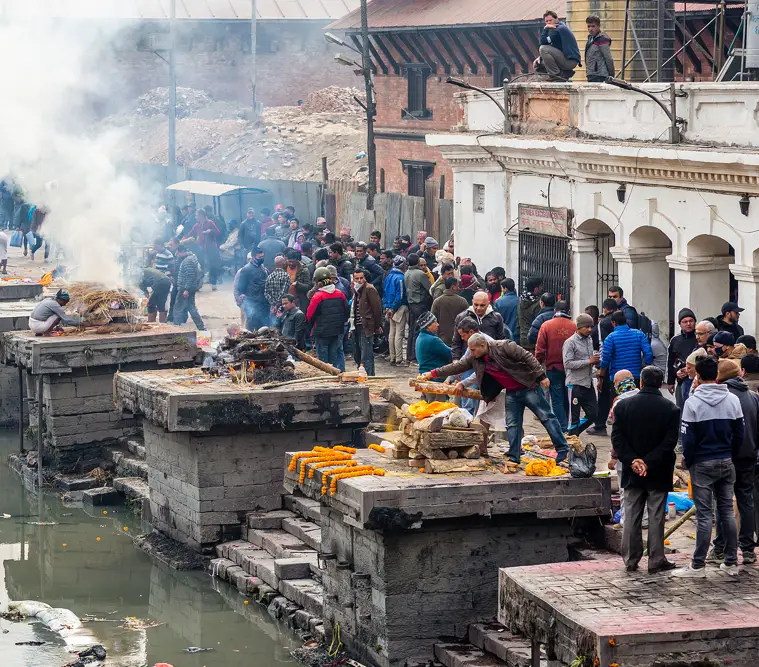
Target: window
<point x="418" y="172"/>
<point x="501" y="71"/>
<point x="479" y="198"/>
<point x="416" y="106"/>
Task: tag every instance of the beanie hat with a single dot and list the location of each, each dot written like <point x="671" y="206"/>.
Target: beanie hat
<point x="697" y="354"/>
<point x="724" y="338"/>
<point x="727" y="368"/>
<point x="466" y="280"/>
<point x="685" y="312"/>
<point x="584" y="320"/>
<point x="425" y="319"/>
<point x="399" y="261"/>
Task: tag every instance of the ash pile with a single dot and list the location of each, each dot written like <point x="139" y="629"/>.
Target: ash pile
<point x="253" y="357"/>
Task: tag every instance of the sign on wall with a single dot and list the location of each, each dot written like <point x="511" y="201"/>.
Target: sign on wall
<point x="542" y="220"/>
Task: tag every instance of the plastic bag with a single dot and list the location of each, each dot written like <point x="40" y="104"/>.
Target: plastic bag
<point x="681" y="501"/>
<point x="583" y="465"/>
<point x="17" y="239"/>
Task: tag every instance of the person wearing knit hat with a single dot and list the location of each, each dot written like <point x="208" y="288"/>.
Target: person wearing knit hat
<point x="395" y="305"/>
<point x="579" y="360"/>
<point x="748" y="341"/>
<point x="724" y="343"/>
<point x="680" y="347"/>
<point x="744" y="461"/>
<point x="468" y="283"/>
<point x="431" y="351"/>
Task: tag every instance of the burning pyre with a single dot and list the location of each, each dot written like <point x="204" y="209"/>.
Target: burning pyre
<point x="99" y="305"/>
<point x="253" y="357"/>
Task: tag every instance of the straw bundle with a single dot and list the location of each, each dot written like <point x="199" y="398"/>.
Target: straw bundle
<point x="98" y="304"/>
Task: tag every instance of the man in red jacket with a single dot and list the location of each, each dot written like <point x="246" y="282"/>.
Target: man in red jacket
<point x="327" y="312"/>
<point x="548" y="351"/>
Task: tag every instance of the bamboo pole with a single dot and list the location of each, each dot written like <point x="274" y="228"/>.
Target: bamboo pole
<point x="313" y="361"/>
<point x="442" y="389"/>
<point x="677" y="524"/>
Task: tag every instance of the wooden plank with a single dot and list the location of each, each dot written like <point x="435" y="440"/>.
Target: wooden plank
<point x="445" y="218"/>
<point x="393" y="217"/>
<point x="431" y="218"/>
<point x="454" y="465"/>
<point x="330" y="211"/>
<point x="449" y="439"/>
<point x="380" y="218"/>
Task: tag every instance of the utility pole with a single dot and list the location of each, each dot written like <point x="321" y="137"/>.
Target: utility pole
<point x="253" y="57"/>
<point x="172" y="108"/>
<point x="371" y="188"/>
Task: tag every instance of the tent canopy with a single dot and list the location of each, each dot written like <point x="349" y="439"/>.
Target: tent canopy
<point x="211" y="189"/>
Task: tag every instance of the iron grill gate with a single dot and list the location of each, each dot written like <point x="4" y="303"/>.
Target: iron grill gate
<point x="606" y="267"/>
<point x="545" y="256"/>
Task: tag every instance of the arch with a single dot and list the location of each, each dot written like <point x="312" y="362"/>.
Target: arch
<point x="706" y="245"/>
<point x="595" y="227"/>
<point x="720" y="232"/>
<point x="649" y="237"/>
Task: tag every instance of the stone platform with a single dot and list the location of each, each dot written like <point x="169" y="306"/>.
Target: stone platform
<point x="14" y="292"/>
<point x="595" y="609"/>
<point x="411" y="557"/>
<point x="14" y="316"/>
<point x="216" y="449"/>
<point x="76" y="371"/>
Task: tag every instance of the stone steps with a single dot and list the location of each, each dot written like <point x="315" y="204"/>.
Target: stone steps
<point x="488" y="645"/>
<point x="306" y="507"/>
<point x="136" y="447"/>
<point x="137" y="492"/>
<point x="125" y="463"/>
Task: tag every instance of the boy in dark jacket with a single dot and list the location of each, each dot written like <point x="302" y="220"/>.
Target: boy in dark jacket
<point x="328" y="312"/>
<point x="599" y="63"/>
<point x="712" y="433"/>
<point x="647" y="455"/>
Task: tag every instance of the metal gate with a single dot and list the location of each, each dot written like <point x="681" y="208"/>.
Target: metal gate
<point x="545" y="256"/>
<point x="606" y="267"/>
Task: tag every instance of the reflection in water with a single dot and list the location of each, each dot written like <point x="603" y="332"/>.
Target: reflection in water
<point x="66" y="565"/>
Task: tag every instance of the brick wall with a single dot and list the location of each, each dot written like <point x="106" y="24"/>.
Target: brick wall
<point x="390" y="152"/>
<point x="293" y="61"/>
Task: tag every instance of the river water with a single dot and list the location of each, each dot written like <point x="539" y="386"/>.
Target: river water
<point x="87" y="563"/>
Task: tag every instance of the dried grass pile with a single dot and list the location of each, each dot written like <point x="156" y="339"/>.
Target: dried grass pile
<point x="99" y="305"/>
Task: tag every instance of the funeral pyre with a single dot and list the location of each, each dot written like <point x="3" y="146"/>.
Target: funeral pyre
<point x="253" y="357"/>
<point x="101" y="306"/>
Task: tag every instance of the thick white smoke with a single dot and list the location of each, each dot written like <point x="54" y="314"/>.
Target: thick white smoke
<point x="53" y="71"/>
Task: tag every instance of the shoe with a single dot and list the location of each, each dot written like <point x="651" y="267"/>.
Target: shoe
<point x="690" y="573"/>
<point x="561" y="456"/>
<point x="214" y="288"/>
<point x="632" y="568"/>
<point x="715" y="557"/>
<point x="749" y="558"/>
<point x="664" y="567"/>
<point x="596" y="431"/>
<point x="618" y="527"/>
<point x="731" y="570"/>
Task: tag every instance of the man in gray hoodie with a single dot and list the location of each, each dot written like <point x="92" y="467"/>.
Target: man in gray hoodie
<point x="579" y="360"/>
<point x="599" y="63"/>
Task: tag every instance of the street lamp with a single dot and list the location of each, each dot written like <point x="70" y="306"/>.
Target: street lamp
<point x="346" y="60"/>
<point x="334" y="39"/>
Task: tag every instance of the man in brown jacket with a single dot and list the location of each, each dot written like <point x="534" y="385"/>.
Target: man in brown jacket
<point x="504" y="368"/>
<point x="367" y="320"/>
<point x="446" y="307"/>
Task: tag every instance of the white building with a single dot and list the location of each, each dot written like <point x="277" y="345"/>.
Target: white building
<point x="674" y="225"/>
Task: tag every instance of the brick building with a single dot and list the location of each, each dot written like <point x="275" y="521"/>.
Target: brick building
<point x="213" y="44"/>
<point x="414" y="47"/>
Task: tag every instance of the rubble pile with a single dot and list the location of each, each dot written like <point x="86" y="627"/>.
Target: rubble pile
<point x="156" y="102"/>
<point x="333" y="99"/>
<point x="253" y="357"/>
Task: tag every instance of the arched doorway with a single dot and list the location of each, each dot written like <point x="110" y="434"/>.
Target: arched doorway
<point x="598" y="271"/>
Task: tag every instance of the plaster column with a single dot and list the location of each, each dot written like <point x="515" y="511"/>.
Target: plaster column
<point x="584" y="274"/>
<point x="701" y="284"/>
<point x="512" y="257"/>
<point x="748" y="295"/>
<point x="644" y="277"/>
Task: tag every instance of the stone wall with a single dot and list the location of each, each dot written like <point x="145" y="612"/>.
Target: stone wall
<point x="203" y="484"/>
<point x="10" y="410"/>
<point x="394" y="594"/>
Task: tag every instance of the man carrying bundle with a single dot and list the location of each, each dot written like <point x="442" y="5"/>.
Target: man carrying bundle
<point x="48" y="314"/>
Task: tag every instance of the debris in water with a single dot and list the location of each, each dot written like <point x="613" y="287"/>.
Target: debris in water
<point x="5" y="516"/>
<point x="41" y="523"/>
<point x="197" y="649"/>
<point x="134" y="623"/>
<point x="30" y="643"/>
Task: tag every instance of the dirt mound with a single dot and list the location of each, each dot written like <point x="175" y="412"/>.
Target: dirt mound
<point x="333" y="99"/>
<point x="156" y="102"/>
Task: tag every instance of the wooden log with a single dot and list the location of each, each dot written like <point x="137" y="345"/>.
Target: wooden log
<point x="392" y="396"/>
<point x="441" y="389"/>
<point x="457" y="439"/>
<point x="432" y="424"/>
<point x="472" y="452"/>
<point x="457" y="465"/>
<point x="430" y="453"/>
<point x="313" y="361"/>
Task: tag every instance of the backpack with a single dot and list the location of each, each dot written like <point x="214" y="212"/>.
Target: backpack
<point x="644" y="324"/>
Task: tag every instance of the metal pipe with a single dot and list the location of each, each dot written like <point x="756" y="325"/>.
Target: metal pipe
<point x="172" y="106"/>
<point x="674" y="130"/>
<point x="506" y="108"/>
<point x="535" y="652"/>
<point x="469" y="86"/>
<point x="253" y="59"/>
<point x="20" y="410"/>
<point x="683" y="47"/>
<point x="371" y="148"/>
<point x="39" y="433"/>
<point x="624" y="40"/>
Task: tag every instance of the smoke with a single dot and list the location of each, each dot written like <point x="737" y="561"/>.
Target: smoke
<point x="54" y="73"/>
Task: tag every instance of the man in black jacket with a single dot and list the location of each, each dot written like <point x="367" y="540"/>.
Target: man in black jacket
<point x="338" y="259"/>
<point x="644" y="437"/>
<point x="605" y="327"/>
<point x="680" y="348"/>
<point x="731" y="313"/>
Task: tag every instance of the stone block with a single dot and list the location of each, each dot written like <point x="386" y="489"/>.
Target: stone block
<point x="104" y="495"/>
<point x="268" y="520"/>
<point x="298" y="567"/>
<point x="305" y="530"/>
<point x="306" y="593"/>
<point x="265" y="571"/>
<point x="278" y="543"/>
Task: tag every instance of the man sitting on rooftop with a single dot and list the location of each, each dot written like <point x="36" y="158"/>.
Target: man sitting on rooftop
<point x="559" y="53"/>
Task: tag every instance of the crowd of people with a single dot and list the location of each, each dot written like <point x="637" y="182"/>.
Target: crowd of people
<point x="417" y="303"/>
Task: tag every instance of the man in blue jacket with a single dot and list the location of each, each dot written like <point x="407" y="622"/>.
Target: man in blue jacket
<point x="559" y="53"/>
<point x="507" y="306"/>
<point x="624" y="349"/>
<point x="395" y="305"/>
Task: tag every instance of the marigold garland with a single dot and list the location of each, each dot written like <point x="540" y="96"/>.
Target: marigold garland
<point x="377" y="448"/>
<point x="344" y="448"/>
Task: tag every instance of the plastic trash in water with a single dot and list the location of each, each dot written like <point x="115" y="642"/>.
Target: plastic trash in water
<point x="197" y="649"/>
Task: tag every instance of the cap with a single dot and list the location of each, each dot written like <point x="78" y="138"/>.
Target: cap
<point x="584" y="320"/>
<point x="425" y="319"/>
<point x="731" y="307"/>
<point x="63" y="295"/>
<point x="685" y="312"/>
<point x="748" y="340"/>
<point x="466" y="280"/>
<point x="398" y="261"/>
<point x="697" y="354"/>
<point x="251" y="210"/>
<point x="724" y="338"/>
<point x="430" y="242"/>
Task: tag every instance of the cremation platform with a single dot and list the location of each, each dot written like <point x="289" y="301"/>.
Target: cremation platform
<point x="411" y="557"/>
<point x="596" y="610"/>
<point x="14" y="316"/>
<point x="76" y="372"/>
<point x="16" y="291"/>
<point x="216" y="449"/>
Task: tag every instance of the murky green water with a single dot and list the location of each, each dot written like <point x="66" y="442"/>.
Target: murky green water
<point x="87" y="563"/>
